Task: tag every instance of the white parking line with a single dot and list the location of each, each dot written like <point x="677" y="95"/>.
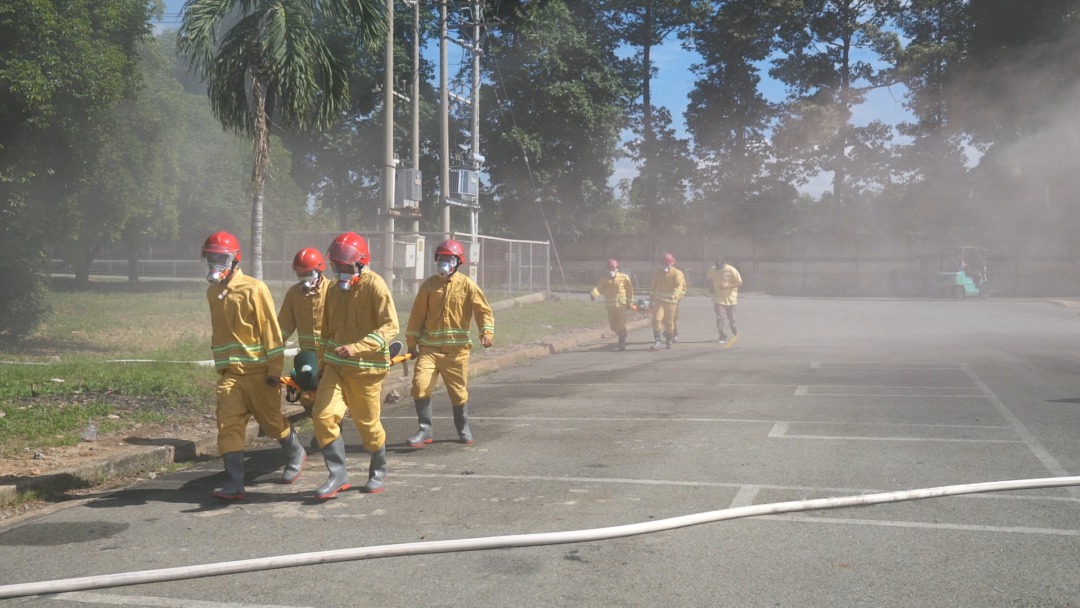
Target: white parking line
<point x="780" y="429"/>
<point x="918" y="524"/>
<point x="720" y="420"/>
<point x="144" y="600"/>
<point x="880" y="365"/>
<point x="1036" y="447"/>
<point x="803" y="490"/>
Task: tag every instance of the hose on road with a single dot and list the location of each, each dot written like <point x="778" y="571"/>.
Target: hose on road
<point x="517" y="540"/>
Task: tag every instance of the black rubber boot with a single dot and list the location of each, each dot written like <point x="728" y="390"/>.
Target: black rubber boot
<point x="461" y="422"/>
<point x="423" y="415"/>
<point x="296" y="454"/>
<point x="234" y="468"/>
<point x="376" y="472"/>
<point x="656" y="344"/>
<point x="622" y="341"/>
<point x="334" y="455"/>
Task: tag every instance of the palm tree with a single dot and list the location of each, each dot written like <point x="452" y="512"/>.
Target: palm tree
<point x="270" y="59"/>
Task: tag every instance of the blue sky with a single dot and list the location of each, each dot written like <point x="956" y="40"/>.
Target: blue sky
<point x="672" y="86"/>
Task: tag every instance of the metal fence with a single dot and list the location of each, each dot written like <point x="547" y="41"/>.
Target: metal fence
<point x="510" y="266"/>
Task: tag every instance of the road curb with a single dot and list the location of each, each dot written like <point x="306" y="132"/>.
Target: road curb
<point x="160" y="453"/>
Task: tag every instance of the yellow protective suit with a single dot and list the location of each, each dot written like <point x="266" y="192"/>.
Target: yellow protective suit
<point x="439" y="327"/>
<point x="725" y="283"/>
<point x="668" y="287"/>
<point x="302" y="312"/>
<point x="248" y="348"/>
<point x="618" y="292"/>
<point x="364" y="318"/>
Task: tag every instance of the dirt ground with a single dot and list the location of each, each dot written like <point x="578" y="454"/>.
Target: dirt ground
<point x="182" y="422"/>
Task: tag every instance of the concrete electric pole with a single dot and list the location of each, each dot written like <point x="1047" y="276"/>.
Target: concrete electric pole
<point x="389" y="173"/>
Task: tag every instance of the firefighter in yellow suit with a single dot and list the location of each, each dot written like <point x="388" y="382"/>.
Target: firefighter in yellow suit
<point x="668" y="287"/>
<point x="725" y="280"/>
<point x="248" y="356"/>
<point x="302" y="309"/>
<point x="438" y="337"/>
<point x="359" y="322"/>
<point x="618" y="294"/>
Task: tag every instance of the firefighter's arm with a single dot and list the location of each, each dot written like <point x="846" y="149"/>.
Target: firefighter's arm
<point x="271" y="332"/>
<point x="629" y="292"/>
<point x="325" y="334"/>
<point x="417" y="316"/>
<point x="286" y="317"/>
<point x="485" y="318"/>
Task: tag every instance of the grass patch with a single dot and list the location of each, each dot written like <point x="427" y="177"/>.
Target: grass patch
<point x="67" y="372"/>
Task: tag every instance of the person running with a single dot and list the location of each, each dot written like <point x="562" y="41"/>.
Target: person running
<point x="248" y="356"/>
<point x="618" y="294"/>
<point x="359" y="322"/>
<point x="725" y="280"/>
<point x="668" y="287"/>
<point x="437" y="335"/>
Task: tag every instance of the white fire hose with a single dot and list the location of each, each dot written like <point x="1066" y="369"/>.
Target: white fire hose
<point x="516" y="540"/>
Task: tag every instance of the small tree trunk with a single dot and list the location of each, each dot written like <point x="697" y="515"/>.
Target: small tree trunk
<point x="133" y="263"/>
<point x="259" y="172"/>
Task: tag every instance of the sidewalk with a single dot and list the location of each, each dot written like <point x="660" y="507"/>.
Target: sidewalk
<point x="160" y="452"/>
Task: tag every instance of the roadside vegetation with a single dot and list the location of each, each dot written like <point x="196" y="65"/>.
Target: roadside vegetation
<point x="120" y="354"/>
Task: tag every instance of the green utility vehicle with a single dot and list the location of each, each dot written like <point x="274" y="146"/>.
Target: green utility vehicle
<point x="965" y="272"/>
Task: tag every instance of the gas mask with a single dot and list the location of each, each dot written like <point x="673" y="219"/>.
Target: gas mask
<point x="611" y="273"/>
<point x="309" y="281"/>
<point x="218" y="267"/>
<point x="347" y="274"/>
<point x="447" y="265"/>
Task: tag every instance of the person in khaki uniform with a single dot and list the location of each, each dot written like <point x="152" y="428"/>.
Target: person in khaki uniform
<point x="618" y="294"/>
<point x="725" y="281"/>
<point x="248" y="356"/>
<point x="438" y="337"/>
<point x="668" y="287"/>
<point x="359" y="322"/>
<point x="302" y="309"/>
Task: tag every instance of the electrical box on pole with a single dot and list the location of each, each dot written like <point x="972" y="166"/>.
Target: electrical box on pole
<point x="409" y="257"/>
<point x="465" y="185"/>
<point x="409" y="189"/>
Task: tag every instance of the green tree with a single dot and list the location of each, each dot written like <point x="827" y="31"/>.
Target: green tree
<point x="644" y="25"/>
<point x="729" y="117"/>
<point x="933" y="188"/>
<point x="266" y="62"/>
<point x="1016" y="93"/>
<point x="830" y="54"/>
<point x="659" y="195"/>
<point x="126" y="195"/>
<point x="338" y="166"/>
<point x="63" y="66"/>
<point x="559" y="99"/>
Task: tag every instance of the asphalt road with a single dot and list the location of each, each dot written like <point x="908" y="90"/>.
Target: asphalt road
<point x="818" y="398"/>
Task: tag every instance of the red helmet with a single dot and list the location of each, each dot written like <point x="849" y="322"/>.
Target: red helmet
<point x="222" y="242"/>
<point x="668" y="259"/>
<point x="451" y="247"/>
<point x="308" y="259"/>
<point x="613" y="264"/>
<point x="349" y="248"/>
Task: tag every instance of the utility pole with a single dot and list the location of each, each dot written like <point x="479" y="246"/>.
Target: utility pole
<point x="416" y="103"/>
<point x="474" y="154"/>
<point x="444" y="122"/>
<point x="389" y="173"/>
